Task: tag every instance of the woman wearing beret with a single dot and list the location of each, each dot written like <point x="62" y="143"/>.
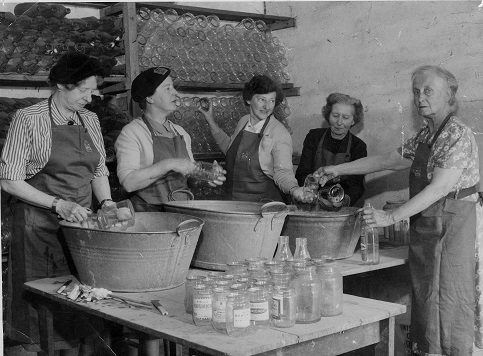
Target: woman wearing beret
<point x="259" y="154"/>
<point x="336" y="144"/>
<point x="52" y="162"/>
<point x="153" y="154"/>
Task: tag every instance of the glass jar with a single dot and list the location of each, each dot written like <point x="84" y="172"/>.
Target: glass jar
<point x="219" y="308"/>
<point x="301" y="249"/>
<point x="202" y="304"/>
<point x="236" y="267"/>
<point x="398" y="233"/>
<point x="308" y="291"/>
<point x="238" y="313"/>
<point x="332" y="288"/>
<point x="191" y="281"/>
<point x="282" y="307"/>
<point x="259" y="307"/>
<point x="281" y="279"/>
<point x="255" y="262"/>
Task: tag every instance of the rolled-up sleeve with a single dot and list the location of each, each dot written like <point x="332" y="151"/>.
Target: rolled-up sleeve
<point x="283" y="173"/>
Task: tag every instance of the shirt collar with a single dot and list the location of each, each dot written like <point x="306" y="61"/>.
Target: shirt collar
<point x="254" y="128"/>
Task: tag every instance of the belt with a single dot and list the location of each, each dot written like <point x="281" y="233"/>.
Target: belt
<point x="463" y="193"/>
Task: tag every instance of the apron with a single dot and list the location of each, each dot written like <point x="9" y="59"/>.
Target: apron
<point x="324" y="157"/>
<point x="38" y="248"/>
<point x="442" y="266"/>
<point x="245" y="179"/>
<point x="152" y="197"/>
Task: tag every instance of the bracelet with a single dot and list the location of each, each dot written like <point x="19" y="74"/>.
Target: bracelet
<point x="104" y="201"/>
<point x="53" y="208"/>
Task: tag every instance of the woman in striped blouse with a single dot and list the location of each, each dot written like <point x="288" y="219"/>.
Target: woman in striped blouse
<point x="52" y="161"/>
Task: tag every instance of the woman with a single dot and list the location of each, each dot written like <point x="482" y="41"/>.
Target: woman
<point x="52" y="161"/>
<point x="259" y="154"/>
<point x="336" y="144"/>
<point x="153" y="154"/>
<point x="443" y="157"/>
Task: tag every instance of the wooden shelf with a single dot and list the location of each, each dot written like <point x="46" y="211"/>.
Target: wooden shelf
<point x="273" y="22"/>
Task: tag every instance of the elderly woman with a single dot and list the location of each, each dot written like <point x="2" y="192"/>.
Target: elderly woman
<point x="154" y="155"/>
<point x="336" y="144"/>
<point x="259" y="154"/>
<point x="444" y="173"/>
<point x="52" y="162"/>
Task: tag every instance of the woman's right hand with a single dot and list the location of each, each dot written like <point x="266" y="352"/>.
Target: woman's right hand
<point x="71" y="211"/>
<point x="184" y="166"/>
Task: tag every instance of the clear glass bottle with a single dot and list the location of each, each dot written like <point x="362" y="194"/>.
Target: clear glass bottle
<point x="218" y="321"/>
<point x="259" y="307"/>
<point x="332" y="288"/>
<point x="202" y="304"/>
<point x="238" y="313"/>
<point x="191" y="281"/>
<point x="282" y="306"/>
<point x="301" y="249"/>
<point x="283" y="250"/>
<point x="308" y="291"/>
<point x="333" y="193"/>
<point x="369" y="243"/>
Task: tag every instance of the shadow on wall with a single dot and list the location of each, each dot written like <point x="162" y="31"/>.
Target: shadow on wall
<point x="394" y="181"/>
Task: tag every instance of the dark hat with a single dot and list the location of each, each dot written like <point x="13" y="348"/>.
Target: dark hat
<point x="146" y="82"/>
<point x="73" y="67"/>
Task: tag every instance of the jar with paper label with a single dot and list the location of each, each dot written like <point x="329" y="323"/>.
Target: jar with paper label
<point x="398" y="233"/>
<point x="218" y="320"/>
<point x="259" y="307"/>
<point x="191" y="281"/>
<point x="202" y="304"/>
<point x="282" y="306"/>
<point x="238" y="313"/>
<point x="332" y="288"/>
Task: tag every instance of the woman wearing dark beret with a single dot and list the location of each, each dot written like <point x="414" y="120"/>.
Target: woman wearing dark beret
<point x="336" y="144"/>
<point x="52" y="162"/>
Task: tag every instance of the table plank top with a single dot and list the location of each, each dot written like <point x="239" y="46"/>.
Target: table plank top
<point x="179" y="327"/>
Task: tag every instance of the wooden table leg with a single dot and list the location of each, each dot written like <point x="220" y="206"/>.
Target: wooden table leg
<point x="148" y="345"/>
<point x="46" y="326"/>
<point x="387" y="344"/>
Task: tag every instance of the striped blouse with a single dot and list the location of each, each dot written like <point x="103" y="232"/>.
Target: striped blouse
<point x="29" y="141"/>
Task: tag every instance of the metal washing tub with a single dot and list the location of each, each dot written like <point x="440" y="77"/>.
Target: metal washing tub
<point x="233" y="230"/>
<point x="329" y="233"/>
<point x="154" y="254"/>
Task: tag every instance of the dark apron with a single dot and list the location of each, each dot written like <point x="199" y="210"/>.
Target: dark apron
<point x="324" y="157"/>
<point x="245" y="179"/>
<point x="152" y="197"/>
<point x="442" y="266"/>
<point x="38" y="248"/>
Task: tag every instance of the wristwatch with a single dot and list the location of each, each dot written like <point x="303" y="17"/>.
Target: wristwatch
<point x="54" y="205"/>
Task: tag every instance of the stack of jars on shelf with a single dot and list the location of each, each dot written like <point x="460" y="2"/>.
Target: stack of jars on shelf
<point x="37" y="34"/>
<point x="227" y="111"/>
<point x="256" y="293"/>
<point x="203" y="50"/>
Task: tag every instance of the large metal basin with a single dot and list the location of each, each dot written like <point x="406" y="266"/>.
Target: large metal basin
<point x="154" y="254"/>
<point x="328" y="233"/>
<point x="233" y="230"/>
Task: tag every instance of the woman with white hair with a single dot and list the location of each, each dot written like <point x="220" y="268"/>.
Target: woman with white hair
<point x="443" y="180"/>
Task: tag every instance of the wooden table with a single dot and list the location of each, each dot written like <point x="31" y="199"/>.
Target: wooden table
<point x="363" y="322"/>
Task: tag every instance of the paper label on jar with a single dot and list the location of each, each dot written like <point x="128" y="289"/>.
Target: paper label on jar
<point x="259" y="311"/>
<point x="202" y="308"/>
<point x="219" y="311"/>
<point x="276" y="307"/>
<point x="241" y="318"/>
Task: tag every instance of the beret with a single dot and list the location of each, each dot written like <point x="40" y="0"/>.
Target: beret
<point x="146" y="82"/>
<point x="73" y="67"/>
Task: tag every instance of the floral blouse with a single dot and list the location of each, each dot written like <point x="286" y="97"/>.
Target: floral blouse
<point x="455" y="148"/>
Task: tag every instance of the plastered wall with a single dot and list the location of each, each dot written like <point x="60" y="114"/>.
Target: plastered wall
<point x="369" y="50"/>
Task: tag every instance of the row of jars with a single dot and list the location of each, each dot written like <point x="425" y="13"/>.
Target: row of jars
<point x="257" y="293"/>
<point x="199" y="44"/>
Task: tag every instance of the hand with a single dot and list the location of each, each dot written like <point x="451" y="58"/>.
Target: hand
<point x="377" y="218"/>
<point x="71" y="211"/>
<point x="184" y="166"/>
<point x="298" y="194"/>
<point x="219" y="174"/>
<point x="207" y="113"/>
<point x="324" y="174"/>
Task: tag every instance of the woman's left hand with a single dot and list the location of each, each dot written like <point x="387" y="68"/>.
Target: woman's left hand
<point x="376" y="218"/>
<point x="298" y="194"/>
<point x="219" y="180"/>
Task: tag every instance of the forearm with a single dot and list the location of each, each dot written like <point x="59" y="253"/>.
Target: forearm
<point x="24" y="191"/>
<point x="143" y="177"/>
<point x="101" y="188"/>
<point x="387" y="161"/>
